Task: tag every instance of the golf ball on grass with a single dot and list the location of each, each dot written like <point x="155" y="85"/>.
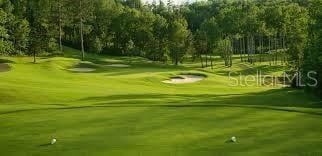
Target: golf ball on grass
<point x="53" y="141"/>
<point x="233" y="139"/>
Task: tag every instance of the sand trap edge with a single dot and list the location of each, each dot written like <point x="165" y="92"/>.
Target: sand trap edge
<point x="184" y="79"/>
<point x="117" y="65"/>
<point x="4" y="67"/>
<point x="82" y="70"/>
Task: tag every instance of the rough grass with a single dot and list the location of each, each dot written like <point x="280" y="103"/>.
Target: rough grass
<point x="129" y="111"/>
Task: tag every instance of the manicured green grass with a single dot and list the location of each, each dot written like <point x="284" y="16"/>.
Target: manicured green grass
<point x="129" y="111"/>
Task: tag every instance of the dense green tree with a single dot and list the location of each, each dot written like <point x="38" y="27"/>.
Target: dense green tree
<point x="297" y="35"/>
<point x="312" y="55"/>
<point x="197" y="13"/>
<point x="290" y="29"/>
<point x="14" y="31"/>
<point x="59" y="15"/>
<point x="224" y="47"/>
<point x="104" y="13"/>
<point x="211" y="33"/>
<point x="6" y="46"/>
<point x="179" y="39"/>
<point x="133" y="3"/>
<point x="200" y="45"/>
<point x="82" y="12"/>
<point x="123" y="28"/>
<point x="19" y="34"/>
<point x="160" y="28"/>
<point x="42" y="30"/>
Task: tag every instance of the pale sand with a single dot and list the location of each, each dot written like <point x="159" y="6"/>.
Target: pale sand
<point x="117" y="65"/>
<point x="82" y="69"/>
<point x="181" y="79"/>
<point x="4" y="67"/>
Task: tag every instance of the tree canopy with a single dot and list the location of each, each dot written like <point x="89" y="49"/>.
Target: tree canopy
<point x="287" y="31"/>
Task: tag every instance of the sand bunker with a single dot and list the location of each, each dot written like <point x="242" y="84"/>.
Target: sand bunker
<point x="82" y="69"/>
<point x="4" y="67"/>
<point x="117" y="65"/>
<point x="181" y="79"/>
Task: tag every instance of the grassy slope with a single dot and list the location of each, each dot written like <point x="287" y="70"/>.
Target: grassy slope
<point x="128" y="111"/>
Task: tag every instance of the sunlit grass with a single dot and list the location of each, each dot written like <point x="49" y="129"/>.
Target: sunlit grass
<point x="129" y="111"/>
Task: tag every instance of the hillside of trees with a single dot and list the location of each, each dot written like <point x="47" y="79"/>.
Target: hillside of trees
<point x="288" y="31"/>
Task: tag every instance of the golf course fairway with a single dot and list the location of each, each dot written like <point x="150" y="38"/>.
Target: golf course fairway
<point x="130" y="111"/>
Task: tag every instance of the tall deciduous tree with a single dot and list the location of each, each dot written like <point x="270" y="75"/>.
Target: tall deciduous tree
<point x="6" y="45"/>
<point x="60" y="16"/>
<point x="313" y="55"/>
<point x="160" y="28"/>
<point x="179" y="39"/>
<point x="212" y="34"/>
<point x="83" y="13"/>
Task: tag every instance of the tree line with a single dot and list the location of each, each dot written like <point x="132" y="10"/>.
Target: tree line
<point x="286" y="32"/>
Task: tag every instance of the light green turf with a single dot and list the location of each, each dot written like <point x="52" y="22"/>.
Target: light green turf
<point x="129" y="111"/>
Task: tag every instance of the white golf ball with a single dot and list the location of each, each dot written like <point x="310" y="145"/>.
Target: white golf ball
<point x="53" y="141"/>
<point x="233" y="139"/>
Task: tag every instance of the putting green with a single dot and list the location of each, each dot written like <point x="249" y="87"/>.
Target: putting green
<point x="129" y="111"/>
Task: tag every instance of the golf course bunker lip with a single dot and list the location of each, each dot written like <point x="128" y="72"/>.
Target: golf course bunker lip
<point x="4" y="67"/>
<point x="117" y="65"/>
<point x="82" y="69"/>
<point x="185" y="78"/>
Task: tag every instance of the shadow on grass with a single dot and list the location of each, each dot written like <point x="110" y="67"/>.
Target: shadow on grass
<point x="6" y="61"/>
<point x="274" y="108"/>
<point x="277" y="99"/>
<point x="132" y="69"/>
<point x="245" y="70"/>
<point x="137" y="64"/>
<point x="104" y="59"/>
<point x="45" y="145"/>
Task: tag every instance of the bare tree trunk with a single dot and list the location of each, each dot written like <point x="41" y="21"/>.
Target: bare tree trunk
<point x="60" y="38"/>
<point x="244" y="47"/>
<point x="60" y="28"/>
<point x="254" y="57"/>
<point x="231" y="53"/>
<point x="206" y="60"/>
<point x="240" y="49"/>
<point x="34" y="56"/>
<point x="253" y="51"/>
<point x="248" y="49"/>
<point x="261" y="48"/>
<point x="269" y="49"/>
<point x="284" y="50"/>
<point x="276" y="48"/>
<point x="263" y="58"/>
<point x="201" y="61"/>
<point x="224" y="55"/>
<point x="211" y="59"/>
<point x="82" y="40"/>
<point x="81" y="33"/>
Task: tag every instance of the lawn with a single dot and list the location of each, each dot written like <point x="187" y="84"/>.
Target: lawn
<point x="129" y="111"/>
